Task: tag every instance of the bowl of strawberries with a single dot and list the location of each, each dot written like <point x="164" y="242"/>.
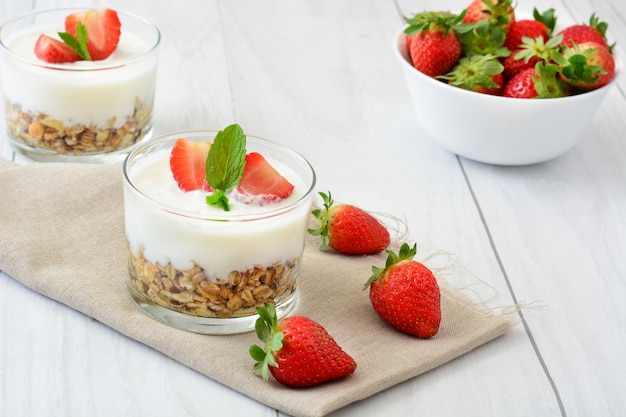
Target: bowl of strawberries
<point x="504" y="89"/>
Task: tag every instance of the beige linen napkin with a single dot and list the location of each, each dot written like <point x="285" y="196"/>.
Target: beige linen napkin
<point x="62" y="235"/>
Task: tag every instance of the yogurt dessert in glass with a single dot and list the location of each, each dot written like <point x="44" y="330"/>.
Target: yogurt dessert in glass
<point x="83" y="111"/>
<point x="198" y="267"/>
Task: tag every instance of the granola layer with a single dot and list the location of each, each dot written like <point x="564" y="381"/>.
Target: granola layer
<point x="192" y="292"/>
<point x="38" y="130"/>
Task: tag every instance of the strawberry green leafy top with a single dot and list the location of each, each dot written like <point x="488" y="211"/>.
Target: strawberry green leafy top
<point x="405" y="253"/>
<point x="266" y="328"/>
<point x="442" y="21"/>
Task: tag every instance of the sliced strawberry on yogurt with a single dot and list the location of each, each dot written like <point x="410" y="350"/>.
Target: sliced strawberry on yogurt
<point x="261" y="179"/>
<point x="187" y="163"/>
<point x="54" y="51"/>
<point x="103" y="31"/>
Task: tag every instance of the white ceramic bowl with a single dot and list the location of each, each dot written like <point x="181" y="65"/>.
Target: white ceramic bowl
<point x="498" y="130"/>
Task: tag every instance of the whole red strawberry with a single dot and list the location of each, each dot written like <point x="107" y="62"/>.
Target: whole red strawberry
<point x="538" y="82"/>
<point x="406" y="295"/>
<point x="587" y="66"/>
<point x="498" y="12"/>
<point x="525" y="28"/>
<point x="349" y="229"/>
<point x="541" y="26"/>
<point x="529" y="53"/>
<point x="522" y="85"/>
<point x="595" y="31"/>
<point x="513" y="65"/>
<point x="298" y="351"/>
<point x="478" y="73"/>
<point x="433" y="47"/>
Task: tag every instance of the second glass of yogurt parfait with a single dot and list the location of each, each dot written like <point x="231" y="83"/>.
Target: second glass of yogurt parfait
<point x="199" y="268"/>
<point x="84" y="111"/>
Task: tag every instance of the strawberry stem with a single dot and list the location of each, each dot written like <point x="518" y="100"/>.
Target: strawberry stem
<point x="474" y="70"/>
<point x="598" y="25"/>
<point x="266" y="328"/>
<point x="548" y="18"/>
<point x="576" y="67"/>
<point x="443" y="21"/>
<point x="323" y="217"/>
<point x="539" y="48"/>
<point x="406" y="253"/>
<point x="482" y="38"/>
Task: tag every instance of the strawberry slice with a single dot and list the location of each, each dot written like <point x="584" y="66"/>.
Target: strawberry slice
<point x="103" y="31"/>
<point x="187" y="163"/>
<point x="260" y="178"/>
<point x="54" y="51"/>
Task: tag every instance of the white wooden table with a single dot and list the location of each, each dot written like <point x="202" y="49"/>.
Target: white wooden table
<point x="319" y="76"/>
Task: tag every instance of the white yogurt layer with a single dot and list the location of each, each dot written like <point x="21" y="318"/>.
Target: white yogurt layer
<point x="90" y="93"/>
<point x="270" y="235"/>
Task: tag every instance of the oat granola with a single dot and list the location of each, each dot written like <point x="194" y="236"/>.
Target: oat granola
<point x="192" y="292"/>
<point x="37" y="130"/>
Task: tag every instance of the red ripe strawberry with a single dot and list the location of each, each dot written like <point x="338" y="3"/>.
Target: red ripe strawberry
<point x="525" y="28"/>
<point x="433" y="47"/>
<point x="298" y="352"/>
<point x="435" y="53"/>
<point x="348" y="229"/>
<point x="103" y="30"/>
<point x="406" y="295"/>
<point x="513" y="65"/>
<point x="521" y="85"/>
<point x="499" y="12"/>
<point x="538" y="82"/>
<point x="587" y="66"/>
<point x="529" y="53"/>
<point x="595" y="31"/>
<point x="188" y="162"/>
<point x="498" y="80"/>
<point x="408" y="39"/>
<point x="260" y="178"/>
<point x="54" y="51"/>
<point x="540" y="27"/>
<point x="479" y="73"/>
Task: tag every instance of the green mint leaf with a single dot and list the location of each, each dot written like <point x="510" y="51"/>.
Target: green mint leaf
<point x="218" y="198"/>
<point x="225" y="163"/>
<point x="78" y="43"/>
<point x="83" y="39"/>
<point x="226" y="160"/>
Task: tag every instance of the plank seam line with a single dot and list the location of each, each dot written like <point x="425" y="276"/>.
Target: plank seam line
<point x="511" y="291"/>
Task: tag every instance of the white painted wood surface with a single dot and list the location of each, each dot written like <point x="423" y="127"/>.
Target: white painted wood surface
<point x="319" y="75"/>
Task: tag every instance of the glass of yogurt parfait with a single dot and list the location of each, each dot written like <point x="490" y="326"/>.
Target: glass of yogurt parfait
<point x="196" y="266"/>
<point x="83" y="111"/>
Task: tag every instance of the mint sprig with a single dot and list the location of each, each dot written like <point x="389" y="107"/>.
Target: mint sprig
<point x="225" y="163"/>
<point x="78" y="43"/>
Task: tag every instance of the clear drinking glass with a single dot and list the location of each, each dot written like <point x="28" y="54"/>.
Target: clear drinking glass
<point x="200" y="268"/>
<point x="86" y="111"/>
